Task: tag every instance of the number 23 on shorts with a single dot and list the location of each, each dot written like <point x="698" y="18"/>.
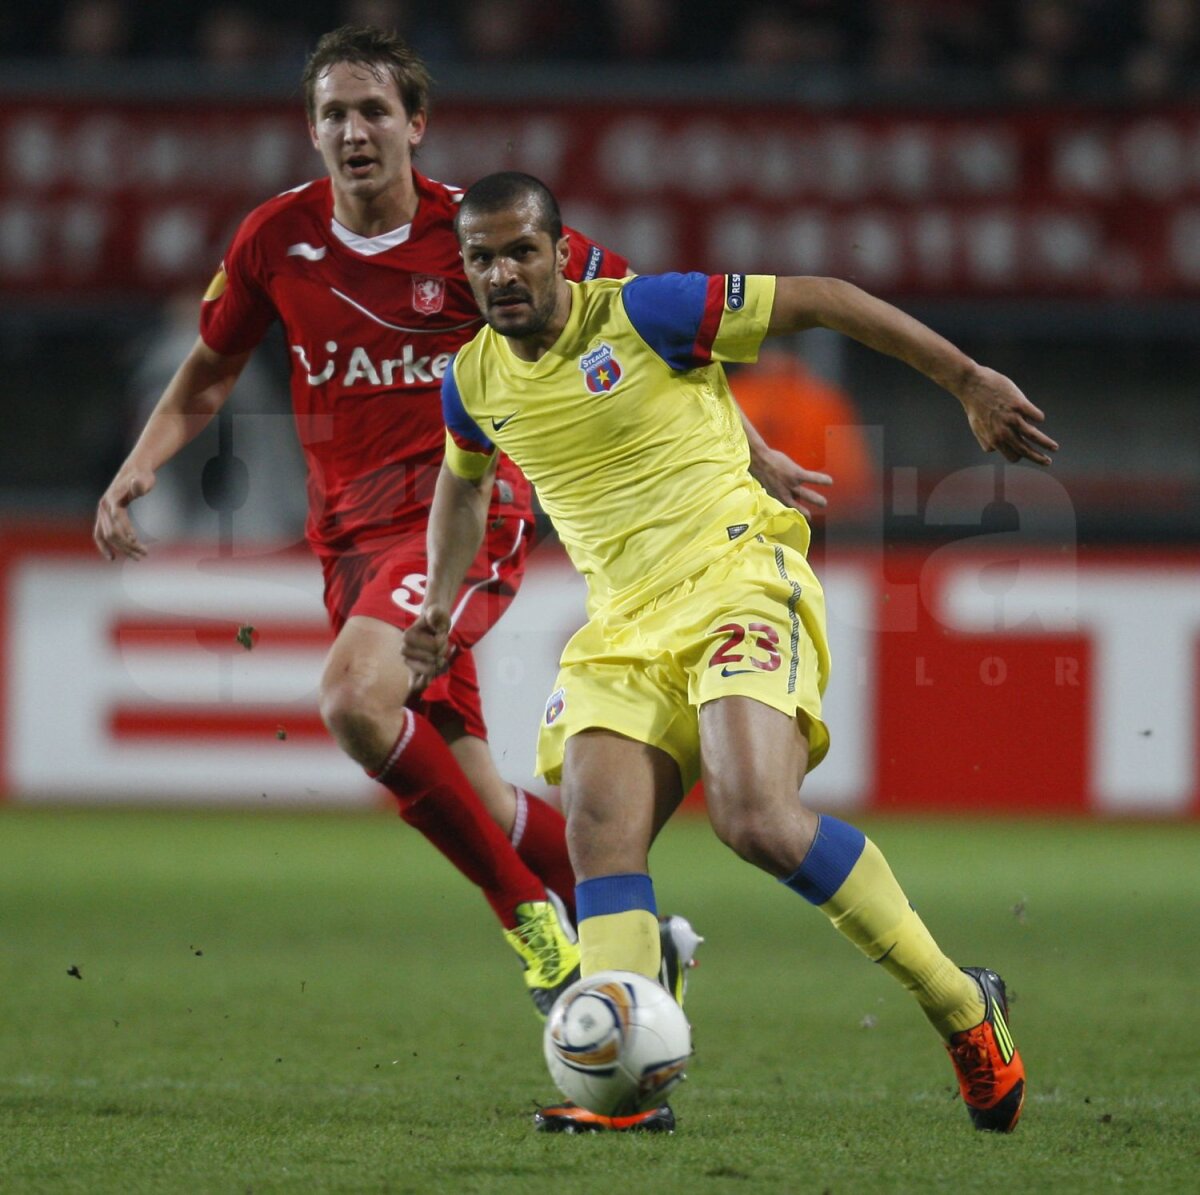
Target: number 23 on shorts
<point x="759" y="638"/>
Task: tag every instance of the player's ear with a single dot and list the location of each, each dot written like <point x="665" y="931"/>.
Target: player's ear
<point x="562" y="252"/>
<point x="312" y="136"/>
<point x="416" y="128"/>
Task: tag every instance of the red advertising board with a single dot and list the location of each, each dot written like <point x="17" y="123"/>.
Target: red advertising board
<point x="125" y="198"/>
<point x="1036" y="682"/>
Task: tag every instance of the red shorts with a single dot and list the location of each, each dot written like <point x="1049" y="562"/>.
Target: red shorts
<point x="389" y="584"/>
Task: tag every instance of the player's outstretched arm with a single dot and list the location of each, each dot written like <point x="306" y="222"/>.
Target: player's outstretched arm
<point x="457" y="521"/>
<point x="192" y="397"/>
<point x="782" y="477"/>
<point x="1001" y="417"/>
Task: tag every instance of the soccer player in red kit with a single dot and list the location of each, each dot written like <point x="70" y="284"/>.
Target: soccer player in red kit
<point x="362" y="268"/>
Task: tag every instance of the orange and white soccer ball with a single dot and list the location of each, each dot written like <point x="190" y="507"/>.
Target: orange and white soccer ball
<point x="616" y="1043"/>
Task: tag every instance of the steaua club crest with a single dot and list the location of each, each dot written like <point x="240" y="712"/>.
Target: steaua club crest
<point x="555" y="706"/>
<point x="601" y="370"/>
<point x="429" y="293"/>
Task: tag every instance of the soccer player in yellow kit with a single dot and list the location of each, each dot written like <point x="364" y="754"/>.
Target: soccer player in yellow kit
<point x="705" y="653"/>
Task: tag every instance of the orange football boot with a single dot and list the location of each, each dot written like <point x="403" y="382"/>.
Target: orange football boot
<point x="571" y="1118"/>
<point x="991" y="1075"/>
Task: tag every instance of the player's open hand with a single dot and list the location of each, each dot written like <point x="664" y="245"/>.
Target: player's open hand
<point x="114" y="531"/>
<point x="788" y="482"/>
<point x="1003" y="419"/>
<point x="427" y="645"/>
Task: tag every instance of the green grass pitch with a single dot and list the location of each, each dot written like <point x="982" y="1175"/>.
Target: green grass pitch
<point x="214" y="1002"/>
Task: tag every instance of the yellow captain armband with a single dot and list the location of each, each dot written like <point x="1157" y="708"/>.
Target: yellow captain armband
<point x="468" y="463"/>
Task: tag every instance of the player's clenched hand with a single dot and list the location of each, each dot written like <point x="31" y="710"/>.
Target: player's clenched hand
<point x="1003" y="419"/>
<point x="114" y="531"/>
<point x="788" y="482"/>
<point x="426" y="645"/>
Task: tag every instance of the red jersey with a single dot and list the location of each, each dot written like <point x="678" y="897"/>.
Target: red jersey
<point x="371" y="324"/>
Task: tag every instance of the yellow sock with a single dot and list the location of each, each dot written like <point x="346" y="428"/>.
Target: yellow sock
<point x="626" y="941"/>
<point x="870" y="909"/>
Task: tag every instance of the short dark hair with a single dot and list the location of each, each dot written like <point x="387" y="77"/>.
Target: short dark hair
<point x="504" y="190"/>
<point x="378" y="50"/>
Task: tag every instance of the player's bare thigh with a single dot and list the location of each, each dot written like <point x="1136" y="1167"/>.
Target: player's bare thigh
<point x="617" y="794"/>
<point x="753" y="759"/>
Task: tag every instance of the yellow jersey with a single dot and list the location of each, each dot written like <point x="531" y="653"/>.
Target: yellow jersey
<point x="626" y="426"/>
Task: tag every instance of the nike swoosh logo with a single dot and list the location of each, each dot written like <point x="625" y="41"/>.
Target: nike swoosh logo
<point x="727" y="671"/>
<point x="497" y="424"/>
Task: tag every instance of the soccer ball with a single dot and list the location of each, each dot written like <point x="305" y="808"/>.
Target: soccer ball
<point x="616" y="1043"/>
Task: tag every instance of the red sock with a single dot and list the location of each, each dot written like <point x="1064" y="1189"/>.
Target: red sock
<point x="436" y="798"/>
<point x="539" y="834"/>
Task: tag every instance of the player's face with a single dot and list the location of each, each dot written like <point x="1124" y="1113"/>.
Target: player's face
<point x="362" y="131"/>
<point x="515" y="270"/>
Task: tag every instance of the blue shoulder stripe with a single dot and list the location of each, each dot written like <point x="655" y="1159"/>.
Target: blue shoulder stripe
<point x="667" y="310"/>
<point x="461" y="426"/>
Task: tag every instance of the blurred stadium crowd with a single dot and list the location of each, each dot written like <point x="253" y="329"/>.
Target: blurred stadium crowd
<point x="1011" y="49"/>
<point x="1028" y="171"/>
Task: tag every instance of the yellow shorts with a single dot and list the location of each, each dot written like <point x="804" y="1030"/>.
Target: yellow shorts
<point x="751" y="624"/>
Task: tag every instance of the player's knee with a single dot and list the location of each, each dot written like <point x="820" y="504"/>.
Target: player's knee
<point x="747" y="835"/>
<point x="350" y="717"/>
<point x="602" y="842"/>
<point x="772" y="835"/>
<point x="587" y="832"/>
